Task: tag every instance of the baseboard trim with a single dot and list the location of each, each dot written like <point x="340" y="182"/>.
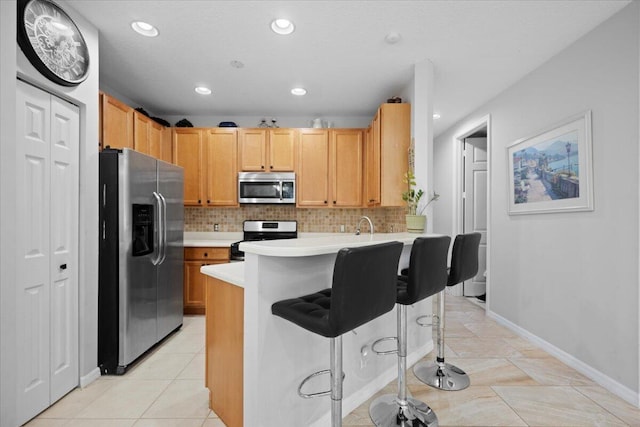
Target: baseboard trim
<point x="90" y="377"/>
<point x="350" y="403"/>
<point x="605" y="381"/>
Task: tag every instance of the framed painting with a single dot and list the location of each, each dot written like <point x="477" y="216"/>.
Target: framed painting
<point x="551" y="171"/>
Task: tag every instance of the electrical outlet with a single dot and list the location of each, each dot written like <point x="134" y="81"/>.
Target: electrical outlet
<point x="342" y="228"/>
<point x="216" y="227"/>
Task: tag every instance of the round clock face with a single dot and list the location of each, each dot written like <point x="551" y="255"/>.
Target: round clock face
<point x="52" y="42"/>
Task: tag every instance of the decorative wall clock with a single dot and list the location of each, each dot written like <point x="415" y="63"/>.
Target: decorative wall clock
<point x="52" y="42"/>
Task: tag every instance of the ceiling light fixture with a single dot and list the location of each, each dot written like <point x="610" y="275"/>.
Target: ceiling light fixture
<point x="299" y="91"/>
<point x="282" y="26"/>
<point x="144" y="29"/>
<point x="203" y="90"/>
<point x="436" y="116"/>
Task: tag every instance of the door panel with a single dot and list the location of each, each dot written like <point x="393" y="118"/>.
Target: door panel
<point x="475" y="212"/>
<point x="65" y="135"/>
<point x="32" y="278"/>
<point x="47" y="200"/>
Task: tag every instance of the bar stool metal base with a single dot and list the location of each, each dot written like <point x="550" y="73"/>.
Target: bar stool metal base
<point x="386" y="411"/>
<point x="441" y="375"/>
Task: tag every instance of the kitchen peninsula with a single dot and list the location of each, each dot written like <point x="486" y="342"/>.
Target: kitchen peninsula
<point x="255" y="361"/>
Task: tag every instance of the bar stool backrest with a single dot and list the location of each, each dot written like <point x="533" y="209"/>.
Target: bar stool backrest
<point x="464" y="258"/>
<point x="427" y="273"/>
<point x="364" y="285"/>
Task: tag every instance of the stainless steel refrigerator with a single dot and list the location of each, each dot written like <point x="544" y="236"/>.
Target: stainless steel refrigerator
<point x="141" y="256"/>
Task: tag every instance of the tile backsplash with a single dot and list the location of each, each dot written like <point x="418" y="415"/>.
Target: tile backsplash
<point x="385" y="220"/>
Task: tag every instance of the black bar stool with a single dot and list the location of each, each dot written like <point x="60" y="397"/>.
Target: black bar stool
<point x="363" y="288"/>
<point x="464" y="266"/>
<point x="427" y="275"/>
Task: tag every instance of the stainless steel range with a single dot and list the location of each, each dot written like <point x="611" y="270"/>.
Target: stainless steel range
<point x="264" y="230"/>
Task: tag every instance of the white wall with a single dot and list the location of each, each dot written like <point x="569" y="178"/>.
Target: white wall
<point x="7" y="213"/>
<point x="85" y="96"/>
<point x="570" y="279"/>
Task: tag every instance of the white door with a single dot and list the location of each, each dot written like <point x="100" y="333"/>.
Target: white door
<point x="47" y="222"/>
<point x="475" y="207"/>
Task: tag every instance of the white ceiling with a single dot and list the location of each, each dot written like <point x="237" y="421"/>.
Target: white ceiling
<point x="338" y="52"/>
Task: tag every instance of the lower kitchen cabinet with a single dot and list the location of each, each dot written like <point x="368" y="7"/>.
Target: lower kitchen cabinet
<point x="194" y="281"/>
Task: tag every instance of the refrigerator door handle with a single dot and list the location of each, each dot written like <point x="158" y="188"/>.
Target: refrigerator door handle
<point x="163" y="232"/>
<point x="158" y="258"/>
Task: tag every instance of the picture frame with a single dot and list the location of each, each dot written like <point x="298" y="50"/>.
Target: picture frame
<point x="551" y="171"/>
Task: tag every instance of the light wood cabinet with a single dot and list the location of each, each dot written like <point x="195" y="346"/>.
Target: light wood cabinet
<point x="116" y="123"/>
<point x="330" y="168"/>
<point x="224" y="350"/>
<point x="313" y="168"/>
<point x="270" y="150"/>
<point x="387" y="155"/>
<point x="188" y="153"/>
<point x="346" y="163"/>
<point x="194" y="281"/>
<point x="220" y="168"/>
<point x="166" y="151"/>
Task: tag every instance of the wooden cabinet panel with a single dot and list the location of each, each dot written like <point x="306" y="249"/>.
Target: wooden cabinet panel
<point x="395" y="139"/>
<point x="346" y="162"/>
<point x="194" y="281"/>
<point x="253" y="149"/>
<point x="187" y="152"/>
<point x="221" y="167"/>
<point x="117" y="123"/>
<point x="224" y="350"/>
<point x="282" y="150"/>
<point x="372" y="142"/>
<point x="166" y="151"/>
<point x="155" y="139"/>
<point x="313" y="168"/>
<point x="141" y="131"/>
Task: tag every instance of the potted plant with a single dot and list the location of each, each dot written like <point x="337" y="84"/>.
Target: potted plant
<point x="416" y="221"/>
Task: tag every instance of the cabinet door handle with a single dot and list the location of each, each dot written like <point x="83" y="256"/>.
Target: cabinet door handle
<point x="271" y="167"/>
<point x="199" y="201"/>
<point x="208" y="201"/>
<point x="325" y="202"/>
<point x="63" y="266"/>
<point x="262" y="167"/>
<point x="206" y="254"/>
<point x="334" y="202"/>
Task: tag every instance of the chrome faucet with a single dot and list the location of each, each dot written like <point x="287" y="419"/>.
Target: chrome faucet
<point x="360" y="222"/>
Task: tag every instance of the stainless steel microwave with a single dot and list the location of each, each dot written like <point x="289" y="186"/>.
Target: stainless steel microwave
<point x="266" y="187"/>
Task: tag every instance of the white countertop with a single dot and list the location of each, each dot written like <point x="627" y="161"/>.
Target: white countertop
<point x="211" y="239"/>
<point x="232" y="272"/>
<point x="328" y="243"/>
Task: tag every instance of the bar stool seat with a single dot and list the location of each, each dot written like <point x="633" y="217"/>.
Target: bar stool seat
<point x="363" y="288"/>
<point x="426" y="276"/>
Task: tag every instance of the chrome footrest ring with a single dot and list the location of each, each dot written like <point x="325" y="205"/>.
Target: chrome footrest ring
<point x="318" y="394"/>
<point x="378" y="341"/>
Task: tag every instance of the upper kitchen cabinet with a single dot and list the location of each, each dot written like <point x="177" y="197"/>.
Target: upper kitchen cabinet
<point x="220" y="167"/>
<point x="271" y="150"/>
<point x="387" y="155"/>
<point x="330" y="168"/>
<point x="188" y="153"/>
<point x="117" y="123"/>
<point x="346" y="167"/>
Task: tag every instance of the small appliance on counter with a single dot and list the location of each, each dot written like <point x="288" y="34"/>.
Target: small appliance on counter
<point x="263" y="230"/>
<point x="140" y="271"/>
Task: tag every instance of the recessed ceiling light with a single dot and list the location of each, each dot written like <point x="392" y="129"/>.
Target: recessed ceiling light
<point x="299" y="91"/>
<point x="203" y="90"/>
<point x="144" y="29"/>
<point x="282" y="26"/>
<point x="436" y="116"/>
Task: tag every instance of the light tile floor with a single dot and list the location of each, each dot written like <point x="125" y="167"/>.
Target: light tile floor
<point x="513" y="383"/>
